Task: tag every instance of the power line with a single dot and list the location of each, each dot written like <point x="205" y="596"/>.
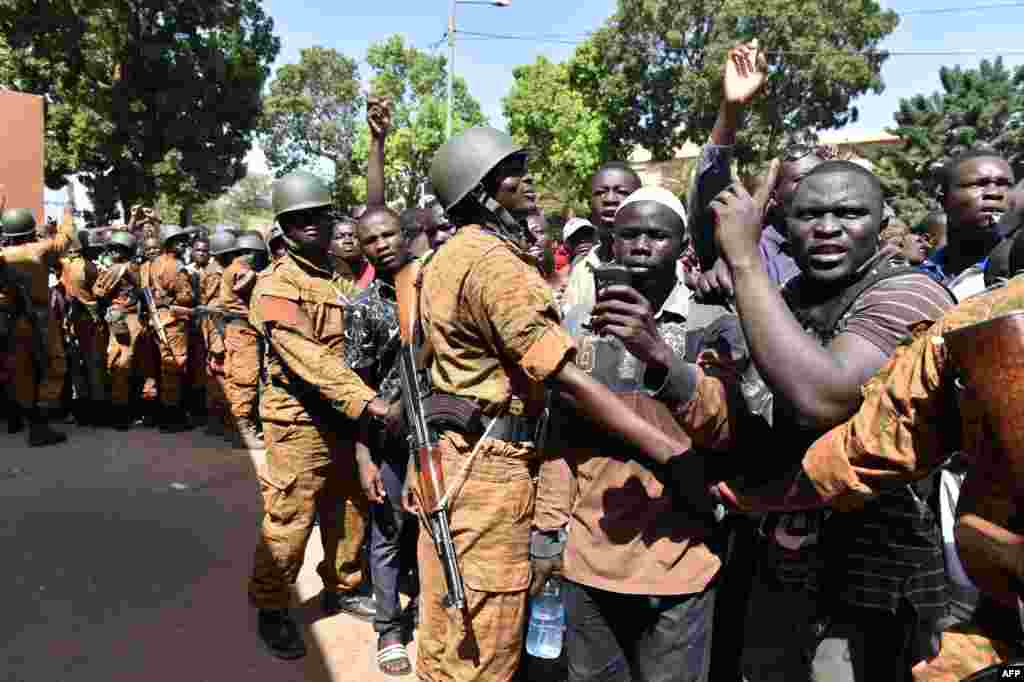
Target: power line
<point x="957" y="10"/>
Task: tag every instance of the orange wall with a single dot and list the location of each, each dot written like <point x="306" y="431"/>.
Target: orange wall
<point x="21" y="150"/>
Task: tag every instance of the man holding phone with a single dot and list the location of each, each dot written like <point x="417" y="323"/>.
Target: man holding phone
<point x="640" y="566"/>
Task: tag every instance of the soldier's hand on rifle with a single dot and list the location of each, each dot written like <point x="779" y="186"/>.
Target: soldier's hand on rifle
<point x="410" y="503"/>
<point x="393" y="419"/>
<point x="378" y="116"/>
<point x="216" y="363"/>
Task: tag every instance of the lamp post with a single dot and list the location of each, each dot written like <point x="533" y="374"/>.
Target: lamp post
<point x="451" y="50"/>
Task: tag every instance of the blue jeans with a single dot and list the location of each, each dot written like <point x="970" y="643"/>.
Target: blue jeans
<point x="624" y="637"/>
<point x="392" y="541"/>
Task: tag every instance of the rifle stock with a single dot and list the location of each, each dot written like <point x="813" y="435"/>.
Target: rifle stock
<point x="423" y="444"/>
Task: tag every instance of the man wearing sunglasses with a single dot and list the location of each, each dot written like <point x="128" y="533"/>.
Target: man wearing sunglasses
<point x="310" y="403"/>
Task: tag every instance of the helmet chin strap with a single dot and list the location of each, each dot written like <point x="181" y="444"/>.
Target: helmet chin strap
<point x="508" y="226"/>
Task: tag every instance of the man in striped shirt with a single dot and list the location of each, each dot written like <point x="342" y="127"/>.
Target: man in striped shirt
<point x="850" y="582"/>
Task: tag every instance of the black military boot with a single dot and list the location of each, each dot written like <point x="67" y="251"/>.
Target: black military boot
<point x="121" y="417"/>
<point x="173" y="419"/>
<point x="100" y="413"/>
<point x="80" y="412"/>
<point x="148" y="412"/>
<point x="280" y="634"/>
<point x="39" y="431"/>
<point x="15" y="418"/>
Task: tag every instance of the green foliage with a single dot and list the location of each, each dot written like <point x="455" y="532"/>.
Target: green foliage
<point x="416" y="84"/>
<point x="143" y="99"/>
<point x="311" y="113"/>
<point x="247" y="204"/>
<point x="568" y="140"/>
<point x="653" y="71"/>
<point x="977" y="108"/>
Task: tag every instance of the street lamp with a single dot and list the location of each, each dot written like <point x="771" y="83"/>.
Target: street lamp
<point x="451" y="49"/>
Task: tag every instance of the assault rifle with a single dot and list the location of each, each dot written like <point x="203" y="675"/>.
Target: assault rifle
<point x="154" y="319"/>
<point x="422" y="441"/>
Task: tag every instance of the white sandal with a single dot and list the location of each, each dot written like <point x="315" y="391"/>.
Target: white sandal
<point x="391" y="654"/>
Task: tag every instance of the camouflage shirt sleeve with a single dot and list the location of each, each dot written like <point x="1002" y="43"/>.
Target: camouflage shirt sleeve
<point x="514" y="308"/>
<point x="314" y="364"/>
<point x="897" y="434"/>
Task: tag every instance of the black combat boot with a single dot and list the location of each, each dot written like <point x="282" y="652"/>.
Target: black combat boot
<point x="173" y="420"/>
<point x="39" y="431"/>
<point x="121" y="417"/>
<point x="280" y="634"/>
<point x="148" y="413"/>
<point x="15" y="418"/>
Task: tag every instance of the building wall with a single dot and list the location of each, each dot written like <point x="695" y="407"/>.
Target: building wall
<point x="21" y="146"/>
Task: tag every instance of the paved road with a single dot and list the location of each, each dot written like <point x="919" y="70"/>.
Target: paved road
<point x="112" y="571"/>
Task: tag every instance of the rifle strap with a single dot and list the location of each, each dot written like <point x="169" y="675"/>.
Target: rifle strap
<point x="460" y="479"/>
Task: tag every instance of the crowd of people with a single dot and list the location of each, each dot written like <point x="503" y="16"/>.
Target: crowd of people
<point x="762" y="432"/>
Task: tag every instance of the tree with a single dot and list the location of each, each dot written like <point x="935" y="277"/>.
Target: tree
<point x="312" y="113"/>
<point x="144" y="98"/>
<point x="654" y="69"/>
<point x="976" y="108"/>
<point x="568" y="140"/>
<point x="416" y="84"/>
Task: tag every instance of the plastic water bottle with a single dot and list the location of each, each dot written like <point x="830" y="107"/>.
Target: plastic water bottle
<point x="547" y="622"/>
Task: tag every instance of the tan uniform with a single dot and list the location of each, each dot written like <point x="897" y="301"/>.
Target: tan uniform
<point x="495" y="330"/>
<point x="167" y="278"/>
<point x="79" y="275"/>
<point x="213" y="343"/>
<point x="113" y="287"/>
<point x="308" y="403"/>
<point x="241" y="342"/>
<point x="33" y="262"/>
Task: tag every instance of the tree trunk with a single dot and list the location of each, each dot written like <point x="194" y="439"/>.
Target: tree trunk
<point x="186" y="214"/>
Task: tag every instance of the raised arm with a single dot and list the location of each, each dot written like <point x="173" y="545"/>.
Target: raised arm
<point x="378" y="118"/>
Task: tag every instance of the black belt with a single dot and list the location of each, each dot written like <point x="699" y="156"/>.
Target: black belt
<point x="513" y="428"/>
<point x="446" y="411"/>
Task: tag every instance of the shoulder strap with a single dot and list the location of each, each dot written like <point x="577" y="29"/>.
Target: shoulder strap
<point x="879" y="273"/>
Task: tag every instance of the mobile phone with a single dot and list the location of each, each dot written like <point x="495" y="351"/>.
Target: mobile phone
<point x="609" y="275"/>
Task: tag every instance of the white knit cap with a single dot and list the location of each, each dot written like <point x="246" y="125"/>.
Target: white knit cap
<point x="574" y="226"/>
<point x="658" y="195"/>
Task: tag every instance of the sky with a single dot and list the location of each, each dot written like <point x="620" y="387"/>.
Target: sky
<point x="350" y="26"/>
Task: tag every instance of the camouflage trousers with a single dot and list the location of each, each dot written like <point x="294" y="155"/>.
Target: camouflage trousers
<point x="90" y="374"/>
<point x="122" y="361"/>
<point x="490" y="520"/>
<point x="166" y="363"/>
<point x="241" y="368"/>
<point x="291" y="502"/>
<point x="29" y="391"/>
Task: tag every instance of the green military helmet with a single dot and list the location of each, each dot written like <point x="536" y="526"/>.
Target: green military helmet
<point x="252" y="241"/>
<point x="169" y="232"/>
<point x="124" y="239"/>
<point x="221" y="242"/>
<point x="466" y="159"/>
<point x="299" y="191"/>
<point x="18" y="222"/>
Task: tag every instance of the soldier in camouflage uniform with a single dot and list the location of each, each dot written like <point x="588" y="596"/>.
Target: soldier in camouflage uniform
<point x="310" y="404"/>
<point x="39" y="362"/>
<point x="169" y="281"/>
<point x="116" y="290"/>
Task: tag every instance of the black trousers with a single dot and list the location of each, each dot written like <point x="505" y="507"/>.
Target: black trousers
<point x="633" y="638"/>
<point x="392" y="541"/>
